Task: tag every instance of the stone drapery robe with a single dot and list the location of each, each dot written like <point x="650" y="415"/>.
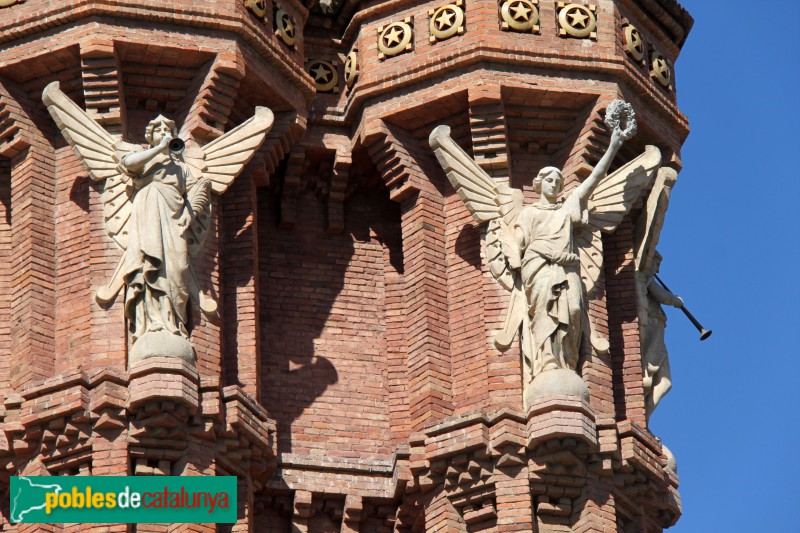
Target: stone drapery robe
<point x="157" y="259"/>
<point x="552" y="284"/>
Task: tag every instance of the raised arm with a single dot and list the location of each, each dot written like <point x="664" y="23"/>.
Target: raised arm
<point x="584" y="190"/>
<point x="662" y="295"/>
<point x="135" y="162"/>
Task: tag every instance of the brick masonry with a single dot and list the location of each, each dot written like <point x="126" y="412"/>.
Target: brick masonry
<point x="349" y="379"/>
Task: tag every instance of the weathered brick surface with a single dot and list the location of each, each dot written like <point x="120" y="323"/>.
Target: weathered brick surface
<point x="325" y="338"/>
<point x="349" y="379"/>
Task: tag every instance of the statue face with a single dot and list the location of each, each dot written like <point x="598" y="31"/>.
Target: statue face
<point x="160" y="131"/>
<point x="551" y="185"/>
<point x="656" y="264"/>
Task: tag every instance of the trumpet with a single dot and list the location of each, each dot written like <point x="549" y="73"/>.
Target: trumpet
<point x="704" y="333"/>
<point x="176" y="146"/>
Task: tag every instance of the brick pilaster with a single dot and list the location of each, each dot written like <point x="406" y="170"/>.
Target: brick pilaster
<point x="624" y="324"/>
<point x="239" y="268"/>
<point x="102" y="85"/>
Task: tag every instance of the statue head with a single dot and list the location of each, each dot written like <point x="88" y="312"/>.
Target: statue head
<point x="549" y="182"/>
<point x="155" y="124"/>
<point x="654" y="264"/>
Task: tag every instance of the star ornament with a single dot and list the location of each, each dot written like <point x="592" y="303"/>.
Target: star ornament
<point x="284" y="27"/>
<point x="351" y="69"/>
<point x="636" y="40"/>
<point x="288" y="25"/>
<point x="519" y="16"/>
<point x="445" y="20"/>
<point x="393" y="37"/>
<point x="321" y="73"/>
<point x="257" y="7"/>
<point x="661" y="70"/>
<point x="520" y="11"/>
<point x="326" y="79"/>
<point x="577" y="20"/>
<point x="634" y="44"/>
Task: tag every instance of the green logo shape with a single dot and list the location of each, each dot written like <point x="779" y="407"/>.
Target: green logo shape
<point x="123" y="499"/>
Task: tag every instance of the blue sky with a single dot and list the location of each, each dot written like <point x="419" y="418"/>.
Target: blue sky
<point x="730" y="245"/>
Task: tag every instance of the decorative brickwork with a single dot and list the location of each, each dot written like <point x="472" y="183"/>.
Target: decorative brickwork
<point x="349" y="377"/>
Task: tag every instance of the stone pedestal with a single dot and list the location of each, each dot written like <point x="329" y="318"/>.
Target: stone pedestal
<point x="157" y="344"/>
<point x="561" y="417"/>
<point x="163" y="379"/>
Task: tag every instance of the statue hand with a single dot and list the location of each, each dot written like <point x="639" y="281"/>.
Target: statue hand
<point x="163" y="146"/>
<point x="678" y="302"/>
<point x="184" y="221"/>
<point x="616" y="138"/>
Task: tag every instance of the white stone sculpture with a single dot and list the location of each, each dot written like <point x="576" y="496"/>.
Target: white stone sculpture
<point x="157" y="210"/>
<point x="549" y="254"/>
<point x="657" y="378"/>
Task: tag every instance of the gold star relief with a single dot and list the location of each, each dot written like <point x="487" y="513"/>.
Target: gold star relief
<point x="321" y="73"/>
<point x="445" y="19"/>
<point x="520" y="11"/>
<point x="288" y="26"/>
<point x="393" y="37"/>
<point x="578" y="18"/>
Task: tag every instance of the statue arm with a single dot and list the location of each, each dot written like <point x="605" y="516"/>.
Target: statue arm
<point x="134" y="162"/>
<point x="585" y="189"/>
<point x="662" y="295"/>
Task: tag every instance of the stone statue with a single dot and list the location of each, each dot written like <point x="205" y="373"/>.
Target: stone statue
<point x="549" y="254"/>
<point x="157" y="210"/>
<point x="655" y="361"/>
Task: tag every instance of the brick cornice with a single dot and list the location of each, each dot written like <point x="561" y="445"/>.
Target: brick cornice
<point x="290" y="64"/>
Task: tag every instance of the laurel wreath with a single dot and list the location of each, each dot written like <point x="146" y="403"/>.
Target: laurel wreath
<point x="620" y="114"/>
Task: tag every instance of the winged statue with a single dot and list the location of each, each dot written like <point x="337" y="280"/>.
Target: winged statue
<point x="157" y="209"/>
<point x="549" y="254"/>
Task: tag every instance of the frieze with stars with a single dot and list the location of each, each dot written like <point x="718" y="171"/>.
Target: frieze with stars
<point x="520" y="16"/>
<point x="446" y="21"/>
<point x="395" y="39"/>
<point x="577" y="20"/>
<point x="351" y="69"/>
<point x="325" y="75"/>
<point x="660" y="69"/>
<point x="634" y="44"/>
<point x="285" y="27"/>
<point x="256" y="7"/>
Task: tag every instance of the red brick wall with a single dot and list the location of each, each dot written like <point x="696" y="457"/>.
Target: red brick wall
<point x="324" y="350"/>
<point x="73" y="268"/>
<point x="5" y="274"/>
<point x="469" y="343"/>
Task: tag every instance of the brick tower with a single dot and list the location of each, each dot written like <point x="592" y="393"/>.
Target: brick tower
<point x="349" y="379"/>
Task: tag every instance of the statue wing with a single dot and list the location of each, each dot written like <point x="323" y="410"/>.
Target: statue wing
<point x="221" y="160"/>
<point x="609" y="203"/>
<point x="486" y="199"/>
<point x="498" y="204"/>
<point x="199" y="205"/>
<point x="100" y="153"/>
<point x="648" y="228"/>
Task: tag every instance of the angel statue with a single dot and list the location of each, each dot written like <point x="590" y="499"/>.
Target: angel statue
<point x="157" y="209"/>
<point x="657" y="378"/>
<point x="549" y="254"/>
